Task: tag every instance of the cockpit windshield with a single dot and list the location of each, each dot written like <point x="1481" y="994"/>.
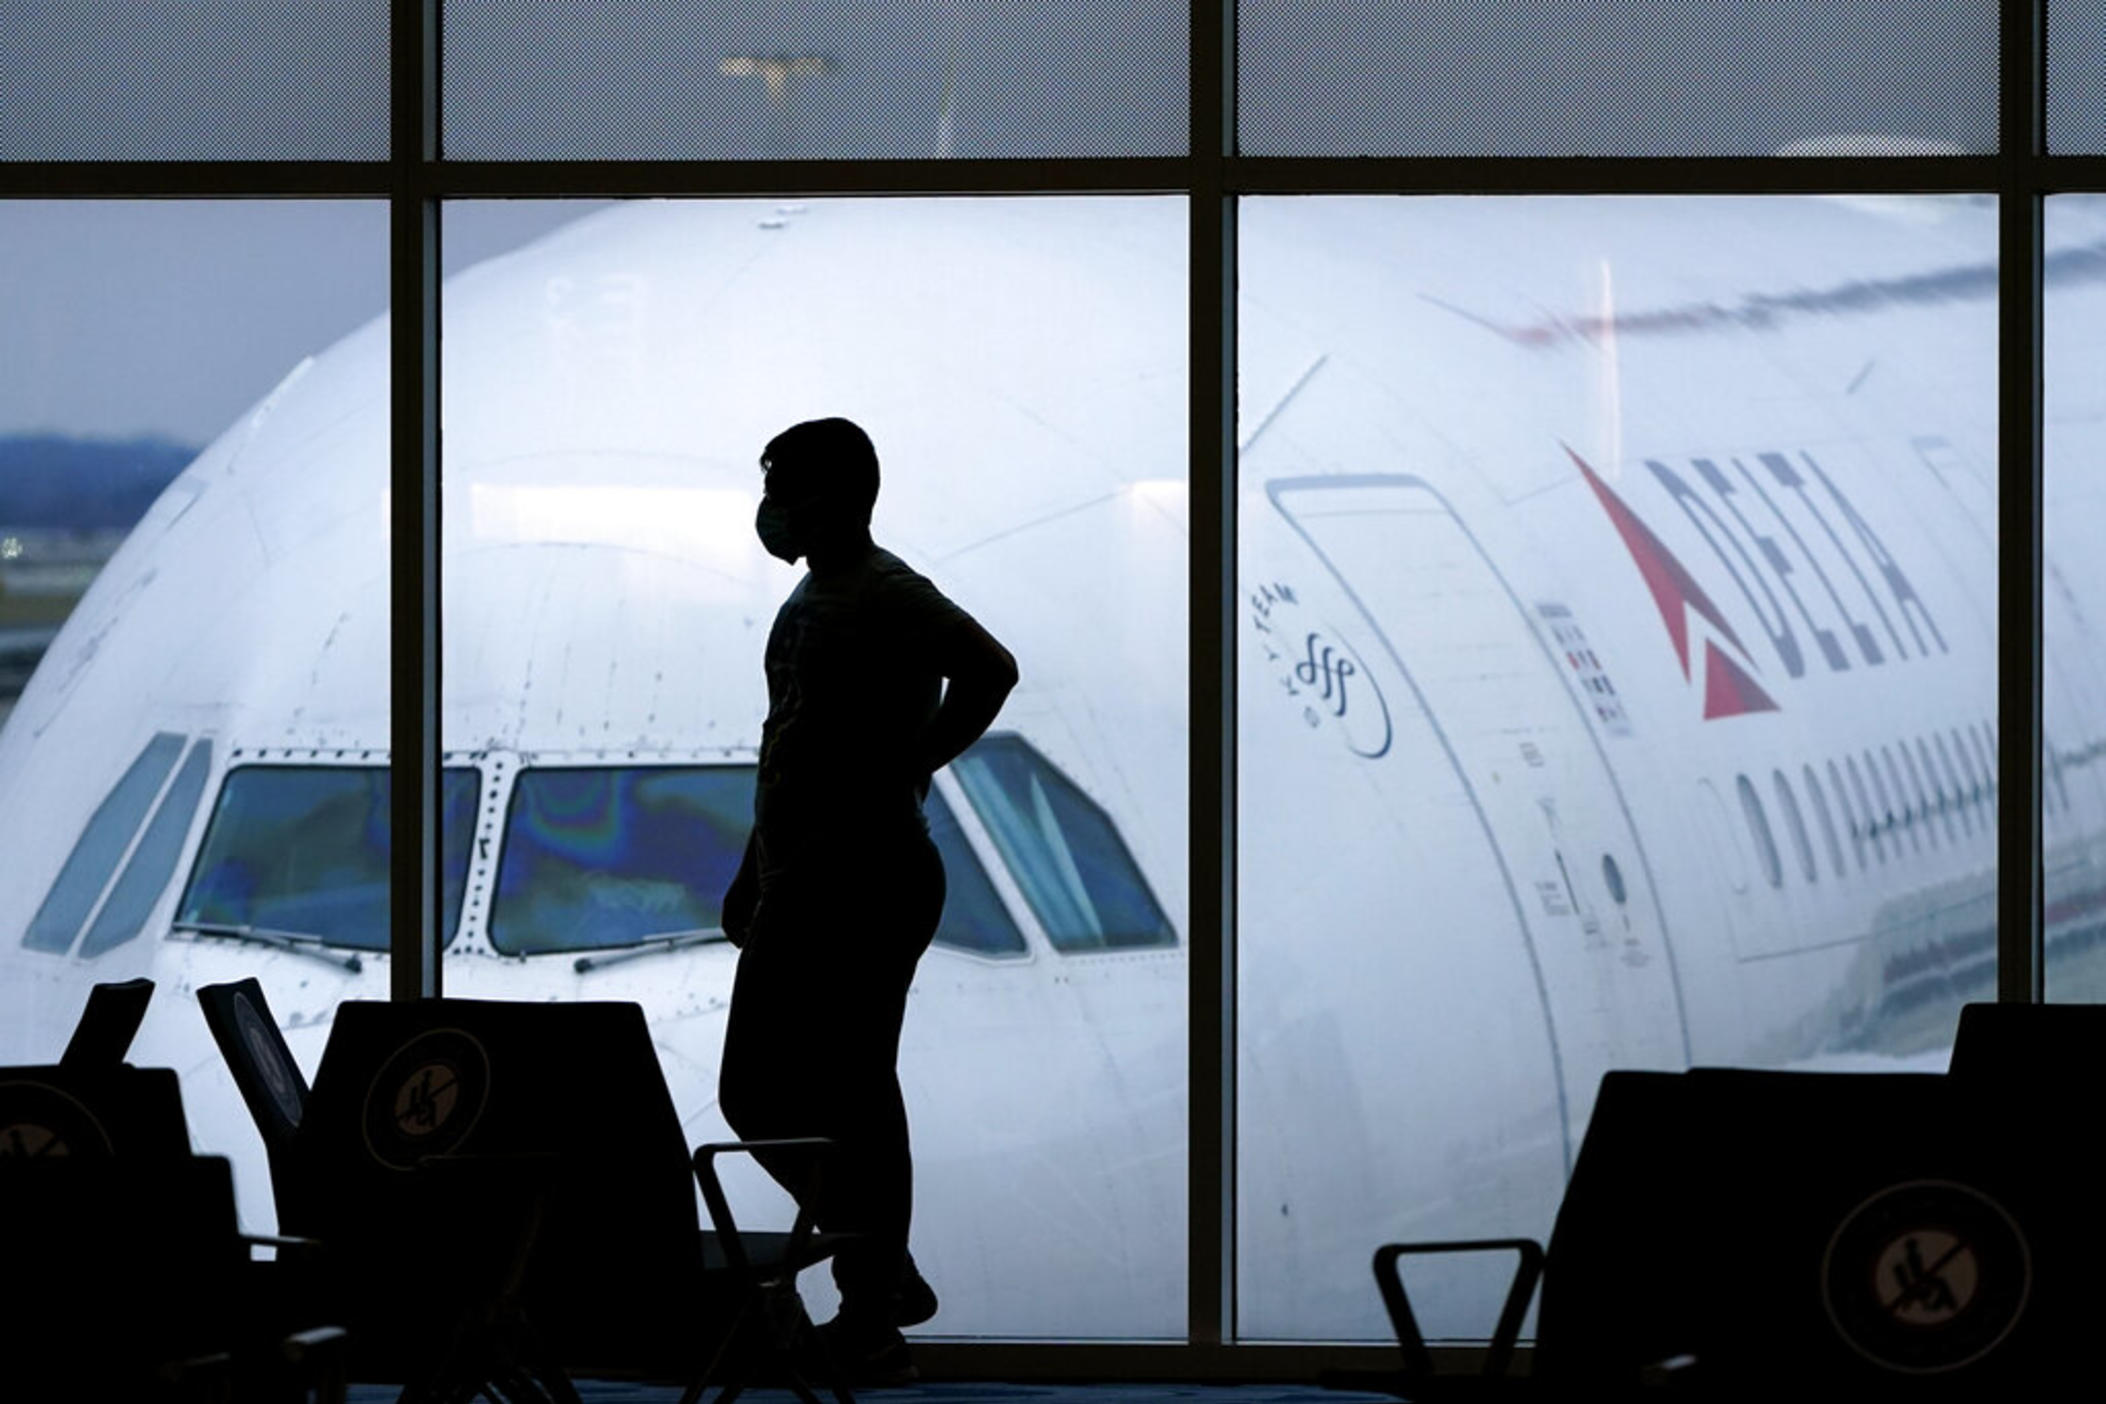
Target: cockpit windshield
<point x="604" y="857"/>
<point x="600" y="857"/>
<point x="302" y="851"/>
<point x="1066" y="853"/>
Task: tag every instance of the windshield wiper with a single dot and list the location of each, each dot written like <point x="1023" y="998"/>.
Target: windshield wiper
<point x="298" y="942"/>
<point x="652" y="945"/>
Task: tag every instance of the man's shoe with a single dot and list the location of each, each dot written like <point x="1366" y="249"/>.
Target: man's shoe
<point x="917" y="1299"/>
<point x="871" y="1357"/>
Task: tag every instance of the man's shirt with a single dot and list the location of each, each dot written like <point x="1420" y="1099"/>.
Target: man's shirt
<point x="855" y="672"/>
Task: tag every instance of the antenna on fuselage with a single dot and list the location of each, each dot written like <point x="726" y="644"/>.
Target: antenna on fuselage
<point x="778" y="71"/>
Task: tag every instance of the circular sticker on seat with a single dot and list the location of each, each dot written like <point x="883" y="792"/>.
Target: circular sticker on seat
<point x="1926" y="1276"/>
<point x="427" y="1098"/>
<point x="264" y="1051"/>
<point x="38" y="1121"/>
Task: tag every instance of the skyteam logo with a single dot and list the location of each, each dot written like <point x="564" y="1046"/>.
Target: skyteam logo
<point x="1815" y="576"/>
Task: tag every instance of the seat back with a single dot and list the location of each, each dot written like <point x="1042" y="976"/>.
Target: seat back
<point x="2009" y="1044"/>
<point x="108" y="1024"/>
<point x="577" y="1086"/>
<point x="132" y="1265"/>
<point x="1895" y="1235"/>
<point x="270" y="1082"/>
<point x="97" y="1112"/>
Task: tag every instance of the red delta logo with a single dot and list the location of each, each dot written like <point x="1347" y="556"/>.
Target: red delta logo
<point x="1729" y="689"/>
<point x="1815" y="576"/>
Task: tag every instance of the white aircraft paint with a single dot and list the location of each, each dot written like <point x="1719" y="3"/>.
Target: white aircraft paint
<point x="1463" y="701"/>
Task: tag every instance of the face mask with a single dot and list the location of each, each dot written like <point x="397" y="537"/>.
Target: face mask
<point x="777" y="537"/>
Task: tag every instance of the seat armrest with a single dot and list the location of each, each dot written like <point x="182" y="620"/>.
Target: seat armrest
<point x="285" y="1245"/>
<point x="720" y="1217"/>
<point x="1389" y="1280"/>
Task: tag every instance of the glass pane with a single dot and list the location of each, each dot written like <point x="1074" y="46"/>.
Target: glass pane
<point x="609" y="388"/>
<point x="153" y="862"/>
<point x="595" y="858"/>
<point x="301" y="854"/>
<point x="237" y="80"/>
<point x="1627" y="78"/>
<point x="193" y="580"/>
<point x="2073" y="600"/>
<point x="1572" y="531"/>
<point x="1063" y="852"/>
<point x="2076" y="57"/>
<point x="648" y="79"/>
<point x="974" y="918"/>
<point x="102" y="843"/>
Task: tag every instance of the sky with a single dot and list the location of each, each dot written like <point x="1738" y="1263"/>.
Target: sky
<point x="169" y="318"/>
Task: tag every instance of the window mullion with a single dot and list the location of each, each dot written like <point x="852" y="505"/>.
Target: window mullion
<point x="416" y="890"/>
<point x="1211" y="1003"/>
<point x="2020" y="888"/>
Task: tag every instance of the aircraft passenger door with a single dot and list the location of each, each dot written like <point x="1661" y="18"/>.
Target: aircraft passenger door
<point x="1449" y="624"/>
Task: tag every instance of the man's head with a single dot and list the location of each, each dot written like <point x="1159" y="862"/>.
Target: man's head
<point x="819" y="483"/>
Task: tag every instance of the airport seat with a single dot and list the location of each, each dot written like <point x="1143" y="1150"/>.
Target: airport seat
<point x="265" y="1073"/>
<point x="1738" y="1234"/>
<point x="133" y="1278"/>
<point x="540" y="1141"/>
<point x="2009" y="1045"/>
<point x="93" y="1110"/>
<point x="108" y="1024"/>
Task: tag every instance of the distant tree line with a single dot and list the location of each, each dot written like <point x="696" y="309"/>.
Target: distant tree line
<point x="55" y="482"/>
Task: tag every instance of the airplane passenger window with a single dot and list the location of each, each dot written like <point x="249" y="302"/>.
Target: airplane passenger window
<point x="1788" y="803"/>
<point x="302" y="852"/>
<point x="1759" y="828"/>
<point x="1972" y="786"/>
<point x="1889" y="821"/>
<point x="1946" y="791"/>
<point x="1901" y="797"/>
<point x="1850" y="818"/>
<point x="1877" y="820"/>
<point x="612" y="856"/>
<point x="1820" y="808"/>
<point x="1067" y="857"/>
<point x="1923" y="795"/>
<point x="88" y="868"/>
<point x="146" y="875"/>
<point x="974" y="918"/>
<point x="1985" y="754"/>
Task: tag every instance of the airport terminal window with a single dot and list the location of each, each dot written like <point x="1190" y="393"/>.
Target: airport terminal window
<point x="302" y="852"/>
<point x="974" y="918"/>
<point x="146" y="876"/>
<point x="612" y="856"/>
<point x="95" y="856"/>
<point x="1066" y="855"/>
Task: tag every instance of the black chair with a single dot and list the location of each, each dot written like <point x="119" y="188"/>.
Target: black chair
<point x="2023" y="1046"/>
<point x="539" y="1141"/>
<point x="108" y="1024"/>
<point x="269" y="1080"/>
<point x="133" y="1278"/>
<point x="1738" y="1234"/>
<point x="97" y="1111"/>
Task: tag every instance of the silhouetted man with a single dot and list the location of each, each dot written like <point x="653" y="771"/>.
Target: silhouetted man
<point x="840" y="889"/>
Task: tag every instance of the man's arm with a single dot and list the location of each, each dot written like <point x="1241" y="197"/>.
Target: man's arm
<point x="981" y="674"/>
<point x="743" y="895"/>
